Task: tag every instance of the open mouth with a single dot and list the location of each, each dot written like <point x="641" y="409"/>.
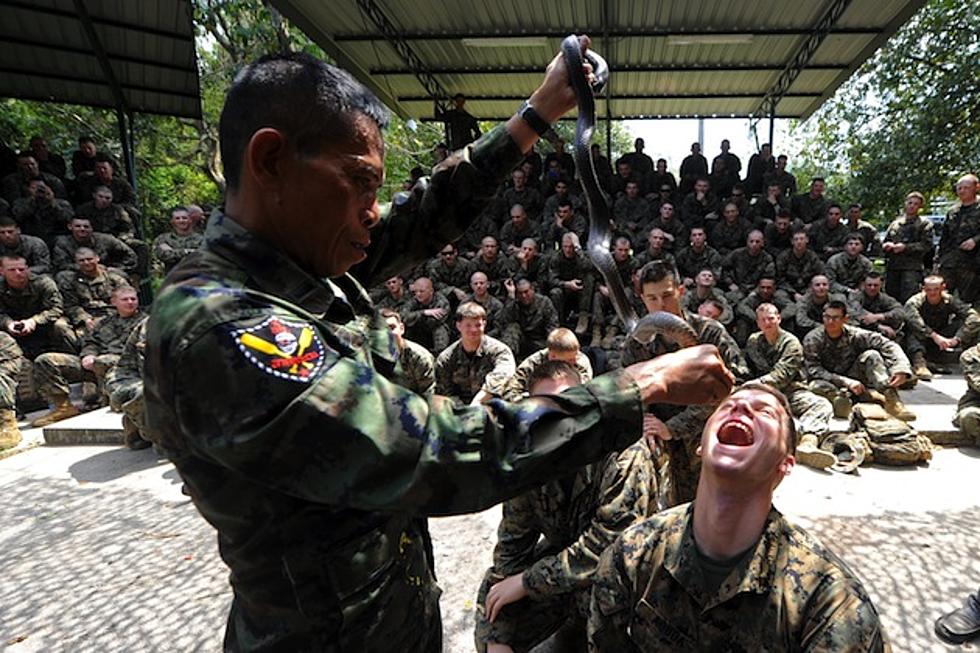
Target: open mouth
<point x="735" y="433"/>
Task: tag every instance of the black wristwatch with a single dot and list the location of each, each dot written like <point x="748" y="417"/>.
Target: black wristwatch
<point x="531" y="117"/>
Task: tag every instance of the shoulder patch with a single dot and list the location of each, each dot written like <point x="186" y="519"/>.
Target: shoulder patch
<point x="283" y="348"/>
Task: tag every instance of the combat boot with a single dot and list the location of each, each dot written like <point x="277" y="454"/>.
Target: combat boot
<point x="842" y="405"/>
<point x="811" y="455"/>
<point x="596" y="336"/>
<point x="894" y="405"/>
<point x="582" y="326"/>
<point x="9" y="432"/>
<point x="919" y="367"/>
<point x="62" y="410"/>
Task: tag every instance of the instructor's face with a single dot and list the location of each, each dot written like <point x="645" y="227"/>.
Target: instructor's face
<point x="330" y="201"/>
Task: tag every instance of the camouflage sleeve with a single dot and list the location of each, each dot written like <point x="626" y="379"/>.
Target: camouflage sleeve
<point x="894" y="311"/>
<point x="840" y="618"/>
<point x="516" y="385"/>
<point x="503" y="369"/>
<point x="122" y="253"/>
<point x="343" y="434"/>
<point x="517" y="536"/>
<point x="913" y="317"/>
<point x="443" y="372"/>
<point x="788" y="367"/>
<point x="923" y="243"/>
<point x="74" y="312"/>
<point x="62" y="258"/>
<point x="550" y="317"/>
<point x="611" y="608"/>
<point x="970" y="362"/>
<point x="10" y="355"/>
<point x="746" y="310"/>
<point x="552" y="277"/>
<point x="971" y="321"/>
<point x="895" y="359"/>
<point x="165" y="251"/>
<point x="51" y="303"/>
<point x="124" y="382"/>
<point x="803" y="319"/>
<point x="627" y="493"/>
<point x="458" y="191"/>
<point x="769" y="266"/>
<point x="815" y="371"/>
<point x="40" y="257"/>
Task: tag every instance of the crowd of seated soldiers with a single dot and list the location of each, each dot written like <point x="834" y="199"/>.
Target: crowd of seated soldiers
<point x="737" y="239"/>
<point x="72" y="260"/>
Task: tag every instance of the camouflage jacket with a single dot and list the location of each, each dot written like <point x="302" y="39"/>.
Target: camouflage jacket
<point x="689" y="262"/>
<point x="924" y="318"/>
<point x="778" y="364"/>
<point x="675" y="230"/>
<point x="499" y="269"/>
<point x="309" y="461"/>
<point x="39" y="300"/>
<point x="646" y="256"/>
<point x="745" y="270"/>
<point x="124" y="382"/>
<point x="807" y="209"/>
<point x="916" y="235"/>
<point x="746" y="307"/>
<point x="789" y="594"/>
<point x="460" y="375"/>
<point x="112" y="252"/>
<point x="726" y="237"/>
<point x="809" y="312"/>
<point x="170" y="248"/>
<point x="413" y="312"/>
<point x="517" y="385"/>
<point x="961" y="224"/>
<point x="605" y="499"/>
<point x="494" y="308"/>
<point x="510" y="236"/>
<point x="44" y="221"/>
<point x="445" y="278"/>
<point x="11" y="357"/>
<point x="793" y="273"/>
<point x="113" y="219"/>
<point x="110" y="334"/>
<point x="970" y="364"/>
<point x="34" y="251"/>
<point x="825" y="240"/>
<point x="85" y="297"/>
<point x="631" y="214"/>
<point x="535" y="321"/>
<point x="551" y="232"/>
<point x="846" y="273"/>
<point x="529" y="198"/>
<point x="692" y="301"/>
<point x="831" y="360"/>
<point x="562" y="269"/>
<point x="859" y="304"/>
<point x="416" y="369"/>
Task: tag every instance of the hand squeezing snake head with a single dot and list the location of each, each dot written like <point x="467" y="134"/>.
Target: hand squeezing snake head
<point x="662" y="323"/>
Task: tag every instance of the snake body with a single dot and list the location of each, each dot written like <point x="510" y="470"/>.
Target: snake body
<point x="662" y="323"/>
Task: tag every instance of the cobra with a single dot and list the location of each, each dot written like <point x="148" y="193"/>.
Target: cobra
<point x="665" y="324"/>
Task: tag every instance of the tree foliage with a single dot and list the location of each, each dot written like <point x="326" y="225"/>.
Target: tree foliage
<point x="907" y="120"/>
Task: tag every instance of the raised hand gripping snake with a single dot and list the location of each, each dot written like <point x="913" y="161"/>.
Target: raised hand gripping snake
<point x="643" y="329"/>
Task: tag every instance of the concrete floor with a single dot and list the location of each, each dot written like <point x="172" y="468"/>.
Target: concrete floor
<point x="101" y="551"/>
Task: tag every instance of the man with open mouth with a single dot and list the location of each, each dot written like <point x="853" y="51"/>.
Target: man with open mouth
<point x="728" y="571"/>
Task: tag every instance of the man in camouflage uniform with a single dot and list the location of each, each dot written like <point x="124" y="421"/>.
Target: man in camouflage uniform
<point x="796" y="267"/>
<point x="967" y="418"/>
<point x="112" y="251"/>
<point x="416" y="369"/>
<point x="729" y="572"/>
<point x="528" y="318"/>
<point x="475" y="368"/>
<point x="32" y="311"/>
<point x="745" y="311"/>
<point x="667" y="221"/>
<point x="680" y="426"/>
<point x="17" y="185"/>
<point x="631" y="212"/>
<point x="779" y="234"/>
<point x="812" y="206"/>
<point x="30" y="248"/>
<point x="562" y="346"/>
<point x="698" y="256"/>
<point x="105" y="175"/>
<point x="846" y="270"/>
<point x="571" y="283"/>
<point x="295" y="444"/>
<point x="656" y="249"/>
<point x="393" y="295"/>
<point x="705" y="290"/>
<point x="562" y="192"/>
<point x="170" y="248"/>
<point x="492" y="306"/>
<point x="731" y="231"/>
<point x="492" y="263"/>
<point x="959" y="240"/>
<point x="450" y="274"/>
<point x="828" y="236"/>
<point x="528" y="263"/>
<point x="855" y="363"/>
<point x="426" y="317"/>
<point x="41" y="214"/>
<point x="855" y="225"/>
<point x="907" y="241"/>
<point x="745" y="266"/>
<point x="107" y="217"/>
<point x="521" y="193"/>
<point x="938" y="321"/>
<point x="11" y="364"/>
<point x="872" y="309"/>
<point x="535" y="588"/>
<point x="775" y="357"/>
<point x="565" y="220"/>
<point x="53" y="372"/>
<point x="516" y="230"/>
<point x="603" y="312"/>
<point x="124" y="385"/>
<point x="809" y="310"/>
<point x="87" y="291"/>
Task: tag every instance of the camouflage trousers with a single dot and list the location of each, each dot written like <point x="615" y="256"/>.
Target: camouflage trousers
<point x="8" y="392"/>
<point x="961" y="277"/>
<point x="54" y="336"/>
<point x="811" y="411"/>
<point x="525" y="624"/>
<point x="967" y="420"/>
<point x="567" y="302"/>
<point x="433" y="335"/>
<point x="522" y="343"/>
<point x="128" y="400"/>
<point x="869" y="369"/>
<point x="916" y="345"/>
<point x="54" y="372"/>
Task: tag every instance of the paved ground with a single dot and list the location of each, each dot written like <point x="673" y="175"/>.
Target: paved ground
<point x="101" y="552"/>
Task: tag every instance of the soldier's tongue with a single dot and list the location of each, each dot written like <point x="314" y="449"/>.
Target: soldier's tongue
<point x="735" y="433"/>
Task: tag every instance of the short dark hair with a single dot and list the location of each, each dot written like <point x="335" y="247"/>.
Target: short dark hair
<point x="310" y="101"/>
<point x="872" y="274"/>
<point x="550" y="369"/>
<point x="836" y="303"/>
<point x="102" y="157"/>
<point x="816" y="179"/>
<point x="7" y="221"/>
<point x="657" y="270"/>
<point x="86" y="139"/>
<point x="854" y="235"/>
<point x="784" y="213"/>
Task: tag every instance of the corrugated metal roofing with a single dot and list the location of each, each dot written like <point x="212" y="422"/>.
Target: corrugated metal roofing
<point x="45" y="54"/>
<point x="683" y="58"/>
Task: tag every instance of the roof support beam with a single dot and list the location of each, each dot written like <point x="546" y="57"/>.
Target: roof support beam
<point x="627" y="96"/>
<point x="613" y="33"/>
<point x="628" y="68"/>
<point x="802" y="57"/>
<point x="669" y="116"/>
<point x="392" y="34"/>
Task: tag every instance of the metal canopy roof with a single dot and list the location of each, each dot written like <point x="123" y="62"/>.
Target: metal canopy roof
<point x="128" y="54"/>
<point x="670" y="58"/>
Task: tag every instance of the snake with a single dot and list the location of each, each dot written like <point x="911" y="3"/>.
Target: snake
<point x="644" y="330"/>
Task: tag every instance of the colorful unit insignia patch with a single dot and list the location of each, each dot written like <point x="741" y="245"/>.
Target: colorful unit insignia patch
<point x="289" y="350"/>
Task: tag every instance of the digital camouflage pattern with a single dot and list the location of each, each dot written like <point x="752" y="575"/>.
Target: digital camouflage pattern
<point x="112" y="252"/>
<point x="169" y="248"/>
<point x="967" y="417"/>
<point x="42" y="220"/>
<point x="859" y="304"/>
<point x="416" y="369"/>
<point x="916" y="235"/>
<point x="40" y="301"/>
<point x="857" y="354"/>
<point x="113" y="219"/>
<point x="527" y="327"/>
<point x="429" y="331"/>
<point x="809" y="312"/>
<point x="446" y="278"/>
<point x="687" y="422"/>
<point x="577" y="518"/>
<point x="517" y="386"/>
<point x="951" y="317"/>
<point x="11" y="360"/>
<point x="690" y="262"/>
<point x="959" y="266"/>
<point x="745" y="270"/>
<point x="460" y="375"/>
<point x="692" y="301"/>
<point x="847" y="273"/>
<point x="826" y="240"/>
<point x="726" y="237"/>
<point x="790" y="594"/>
<point x="33" y="250"/>
<point x="794" y="273"/>
<point x="312" y="465"/>
<point x="88" y="298"/>
<point x="124" y="382"/>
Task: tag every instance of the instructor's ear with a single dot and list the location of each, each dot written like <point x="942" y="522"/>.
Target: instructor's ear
<point x="264" y="159"/>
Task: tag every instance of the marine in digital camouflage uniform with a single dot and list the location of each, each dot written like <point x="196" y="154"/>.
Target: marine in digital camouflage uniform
<point x="847" y="269"/>
<point x="11" y="364"/>
<point x="967" y="418"/>
<point x="550" y="540"/>
<point x="171" y="247"/>
<point x="476" y="366"/>
<point x="745" y="266"/>
<point x="907" y="241"/>
<point x="562" y="345"/>
<point x="87" y="291"/>
<point x="935" y="312"/>
<point x="124" y="385"/>
<point x="429" y="330"/>
<point x="697" y="257"/>
<point x="960" y="230"/>
<point x="796" y="267"/>
<point x="311" y="464"/>
<point x="24" y="296"/>
<point x="31" y="248"/>
<point x="529" y="318"/>
<point x="112" y="251"/>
